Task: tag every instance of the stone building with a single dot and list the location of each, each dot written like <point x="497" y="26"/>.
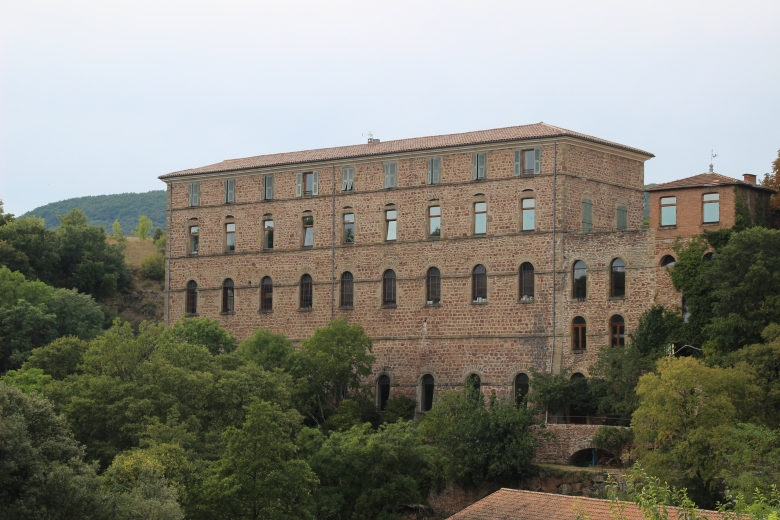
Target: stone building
<point x="476" y="254"/>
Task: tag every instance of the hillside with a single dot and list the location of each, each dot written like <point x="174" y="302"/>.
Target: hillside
<point x="103" y="210"/>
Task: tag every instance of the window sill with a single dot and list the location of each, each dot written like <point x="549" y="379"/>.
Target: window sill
<point x="230" y="252"/>
<point x="671" y="226"/>
<point x="527" y="231"/>
<point x="611" y="298"/>
<point x="308" y="309"/>
<point x="710" y="223"/>
<point x="436" y="237"/>
<point x="268" y="250"/>
<point x="526" y="300"/>
<point x="190" y="315"/>
<point x="307" y="247"/>
<point x="389" y="306"/>
<point x="479" y="303"/>
<point x="348" y="244"/>
<point x="578" y="300"/>
<point x="227" y="313"/>
<point x="350" y="308"/>
<point x="578" y="350"/>
<point x="433" y="304"/>
<point x="265" y="311"/>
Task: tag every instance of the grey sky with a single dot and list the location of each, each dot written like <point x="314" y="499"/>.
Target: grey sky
<point x="102" y="97"/>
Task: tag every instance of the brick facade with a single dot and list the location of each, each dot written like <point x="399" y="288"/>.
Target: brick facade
<point x="496" y="339"/>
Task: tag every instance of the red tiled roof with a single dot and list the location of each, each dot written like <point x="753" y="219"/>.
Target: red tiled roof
<point x="512" y="133"/>
<point x="704" y="179"/>
<point x="514" y="504"/>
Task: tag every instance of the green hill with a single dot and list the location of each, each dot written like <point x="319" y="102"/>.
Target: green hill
<point x="103" y="210"/>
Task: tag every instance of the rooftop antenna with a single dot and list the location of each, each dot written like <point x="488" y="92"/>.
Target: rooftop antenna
<point x="370" y="136"/>
<point x="712" y="156"/>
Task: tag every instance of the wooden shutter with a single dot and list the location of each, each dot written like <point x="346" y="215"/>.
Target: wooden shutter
<point x="345" y="179"/>
<point x="436" y="170"/>
<point x="430" y="171"/>
<point x="194" y="194"/>
<point x="475" y="166"/>
<point x="190" y="194"/>
<point x="481" y="165"/>
<point x="587" y="215"/>
<point x="622" y="220"/>
<point x="537" y="161"/>
<point x="230" y="191"/>
<point x="298" y="181"/>
<point x="315" y="183"/>
<point x="390" y="175"/>
<point x="518" y="162"/>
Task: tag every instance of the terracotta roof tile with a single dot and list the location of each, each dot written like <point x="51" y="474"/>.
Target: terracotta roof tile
<point x="704" y="179"/>
<point x="514" y="504"/>
<point x="512" y="133"/>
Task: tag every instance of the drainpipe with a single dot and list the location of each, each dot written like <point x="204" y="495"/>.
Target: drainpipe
<point x="333" y="243"/>
<point x="554" y="272"/>
<point x="168" y="238"/>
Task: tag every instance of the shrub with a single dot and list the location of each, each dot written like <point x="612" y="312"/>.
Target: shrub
<point x="153" y="267"/>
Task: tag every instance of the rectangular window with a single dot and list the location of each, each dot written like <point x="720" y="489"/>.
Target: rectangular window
<point x="390" y="224"/>
<point x="711" y="208"/>
<point x="348" y="179"/>
<point x="480" y="218"/>
<point x="528" y="162"/>
<point x="268" y="234"/>
<point x="668" y="211"/>
<point x="529" y="214"/>
<point x="622" y="218"/>
<point x="434" y="170"/>
<point x="587" y="216"/>
<point x="480" y="166"/>
<point x="390" y="175"/>
<point x="194" y="239"/>
<point x="349" y="228"/>
<point x="194" y="194"/>
<point x="434" y="221"/>
<point x="230" y="191"/>
<point x="308" y="231"/>
<point x="230" y="237"/>
<point x="268" y="187"/>
<point x="307" y="184"/>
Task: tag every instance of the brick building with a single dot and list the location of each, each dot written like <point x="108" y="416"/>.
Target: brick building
<point x="484" y="253"/>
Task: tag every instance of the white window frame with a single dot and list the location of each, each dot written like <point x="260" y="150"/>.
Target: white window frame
<point x="391" y="175"/>
<point x="348" y="179"/>
<point x="434" y="170"/>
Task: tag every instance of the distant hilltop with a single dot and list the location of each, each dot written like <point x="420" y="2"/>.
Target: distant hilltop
<point x="103" y="210"/>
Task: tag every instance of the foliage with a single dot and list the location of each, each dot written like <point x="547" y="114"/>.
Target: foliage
<point x="28" y="381"/>
<point x="30" y="248"/>
<point x="557" y="392"/>
<point x="399" y="407"/>
<point x="105" y="209"/>
<point x="159" y="242"/>
<point x="481" y="442"/>
<point x="654" y="497"/>
<point x="5" y="218"/>
<point x="367" y="474"/>
<point x="690" y="275"/>
<point x="267" y="349"/>
<point x="153" y="267"/>
<point x="259" y="475"/>
<point x="754" y="505"/>
<point x="59" y="359"/>
<point x="203" y="332"/>
<point x="613" y="439"/>
<point x="118" y="236"/>
<point x="330" y="366"/>
<point x="762" y="362"/>
<point x="42" y="472"/>
<point x="143" y="229"/>
<point x="158" y="234"/>
<point x="23" y="327"/>
<point x="772" y="181"/>
<point x="752" y="458"/>
<point x="684" y="410"/>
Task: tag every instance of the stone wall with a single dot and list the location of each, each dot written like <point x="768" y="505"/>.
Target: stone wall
<point x="565" y="441"/>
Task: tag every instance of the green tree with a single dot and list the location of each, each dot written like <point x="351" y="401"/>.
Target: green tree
<point x="42" y="471"/>
<point x="772" y="181"/>
<point x="60" y="358"/>
<point x="367" y="474"/>
<point x="267" y="349"/>
<point x="752" y="458"/>
<point x="762" y="362"/>
<point x="260" y="474"/>
<point x="204" y="332"/>
<point x="118" y="236"/>
<point x="158" y="234"/>
<point x="153" y="267"/>
<point x="30" y="248"/>
<point x="690" y="276"/>
<point x="23" y="327"/>
<point x="143" y="229"/>
<point x="28" y="381"/>
<point x="5" y="218"/>
<point x="685" y="408"/>
<point x="481" y="442"/>
<point x="330" y="366"/>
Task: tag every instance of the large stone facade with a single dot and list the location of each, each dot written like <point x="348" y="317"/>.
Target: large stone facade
<point x="496" y="339"/>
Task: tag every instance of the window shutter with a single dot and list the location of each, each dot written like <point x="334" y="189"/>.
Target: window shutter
<point x="230" y="191"/>
<point x="587" y="215"/>
<point x="351" y="179"/>
<point x="298" y="180"/>
<point x="390" y="175"/>
<point x="518" y="164"/>
<point x="437" y="170"/>
<point x="481" y="165"/>
<point x="190" y="194"/>
<point x="345" y="179"/>
<point x="315" y="183"/>
<point x="537" y="161"/>
<point x="194" y="194"/>
<point x="430" y="171"/>
<point x="475" y="165"/>
<point x="622" y="220"/>
<point x="387" y="175"/>
<point x="269" y="187"/>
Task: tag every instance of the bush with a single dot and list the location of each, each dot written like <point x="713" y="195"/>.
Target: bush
<point x="399" y="407"/>
<point x="153" y="267"/>
<point x="613" y="439"/>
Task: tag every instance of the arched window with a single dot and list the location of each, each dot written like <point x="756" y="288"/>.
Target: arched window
<point x="617" y="331"/>
<point x="227" y="296"/>
<point x="526" y="281"/>
<point x="473" y="382"/>
<point x="577" y="375"/>
<point x="667" y="261"/>
<point x="388" y="287"/>
<point x="426" y="401"/>
<point x="433" y="286"/>
<point x="307" y="292"/>
<point x="347" y="290"/>
<point x="579" y="334"/>
<point x="191" y="303"/>
<point x="522" y="385"/>
<point x="617" y="279"/>
<point x="709" y="256"/>
<point x="580" y="280"/>
<point x="479" y="284"/>
<point x="266" y="294"/>
<point x="383" y="391"/>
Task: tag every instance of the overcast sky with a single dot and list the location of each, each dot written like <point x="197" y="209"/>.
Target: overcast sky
<point x="101" y="97"/>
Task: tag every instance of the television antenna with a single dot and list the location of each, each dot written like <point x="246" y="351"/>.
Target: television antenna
<point x="712" y="156"/>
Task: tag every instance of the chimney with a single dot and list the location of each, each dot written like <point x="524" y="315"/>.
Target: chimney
<point x="372" y="140"/>
<point x="749" y="178"/>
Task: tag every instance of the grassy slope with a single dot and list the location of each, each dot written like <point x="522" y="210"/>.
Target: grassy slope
<point x="103" y="210"/>
<point x="147" y="300"/>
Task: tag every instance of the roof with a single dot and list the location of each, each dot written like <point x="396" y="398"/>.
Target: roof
<point x="512" y="133"/>
<point x="705" y="179"/>
<point x="515" y="504"/>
